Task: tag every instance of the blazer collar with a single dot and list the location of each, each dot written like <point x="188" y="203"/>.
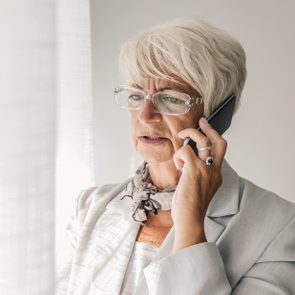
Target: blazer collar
<point x="224" y="203"/>
<point x="226" y="200"/>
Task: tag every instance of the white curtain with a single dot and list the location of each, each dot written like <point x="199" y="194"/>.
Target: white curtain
<point x="46" y="133"/>
<point x="75" y="164"/>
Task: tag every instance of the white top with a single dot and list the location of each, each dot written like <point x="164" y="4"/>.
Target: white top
<point x="141" y="256"/>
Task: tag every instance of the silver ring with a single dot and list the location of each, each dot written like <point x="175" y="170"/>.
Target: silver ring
<point x="204" y="148"/>
<point x="208" y="161"/>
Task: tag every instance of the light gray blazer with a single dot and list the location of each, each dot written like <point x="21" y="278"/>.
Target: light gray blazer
<point x="250" y="246"/>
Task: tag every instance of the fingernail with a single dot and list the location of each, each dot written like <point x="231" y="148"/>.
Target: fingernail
<point x="181" y="135"/>
<point x="204" y="120"/>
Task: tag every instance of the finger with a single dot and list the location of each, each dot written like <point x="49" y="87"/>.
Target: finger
<point x="203" y="154"/>
<point x="219" y="144"/>
<point x="210" y="132"/>
<point x="188" y="159"/>
<point x="184" y="156"/>
<point x="200" y="139"/>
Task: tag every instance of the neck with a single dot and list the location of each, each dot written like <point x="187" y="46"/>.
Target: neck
<point x="164" y="174"/>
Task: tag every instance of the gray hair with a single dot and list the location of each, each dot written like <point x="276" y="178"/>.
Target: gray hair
<point x="205" y="57"/>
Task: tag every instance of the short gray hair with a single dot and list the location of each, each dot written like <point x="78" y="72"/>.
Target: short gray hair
<point x="205" y="57"/>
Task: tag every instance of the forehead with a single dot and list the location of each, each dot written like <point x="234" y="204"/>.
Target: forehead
<point x="161" y="84"/>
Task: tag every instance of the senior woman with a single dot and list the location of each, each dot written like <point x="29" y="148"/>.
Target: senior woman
<point x="186" y="223"/>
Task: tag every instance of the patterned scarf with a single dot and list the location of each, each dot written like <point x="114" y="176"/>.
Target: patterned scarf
<point x="145" y="195"/>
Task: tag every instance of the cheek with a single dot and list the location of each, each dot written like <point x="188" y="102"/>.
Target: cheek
<point x="197" y="114"/>
<point x="175" y="128"/>
<point x="178" y="125"/>
<point x="132" y="130"/>
<point x="132" y="135"/>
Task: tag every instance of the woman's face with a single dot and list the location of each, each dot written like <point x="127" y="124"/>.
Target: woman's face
<point x="148" y="122"/>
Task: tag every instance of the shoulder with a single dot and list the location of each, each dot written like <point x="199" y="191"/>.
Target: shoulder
<point x="262" y="202"/>
<point x="94" y="199"/>
<point x="270" y="219"/>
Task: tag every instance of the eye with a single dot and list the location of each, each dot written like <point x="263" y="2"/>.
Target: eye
<point x="135" y="97"/>
<point x="173" y="99"/>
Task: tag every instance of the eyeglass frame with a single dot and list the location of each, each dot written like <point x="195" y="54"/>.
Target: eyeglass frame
<point x="191" y="101"/>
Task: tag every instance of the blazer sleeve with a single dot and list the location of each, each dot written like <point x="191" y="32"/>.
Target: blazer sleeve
<point x="66" y="253"/>
<point x="199" y="270"/>
<point x="274" y="271"/>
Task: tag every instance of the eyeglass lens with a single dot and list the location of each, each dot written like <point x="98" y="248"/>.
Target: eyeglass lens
<point x="165" y="102"/>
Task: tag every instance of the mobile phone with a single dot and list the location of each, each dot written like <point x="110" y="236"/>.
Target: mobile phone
<point x="220" y="119"/>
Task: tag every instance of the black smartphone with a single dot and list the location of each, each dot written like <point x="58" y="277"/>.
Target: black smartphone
<point x="220" y="119"/>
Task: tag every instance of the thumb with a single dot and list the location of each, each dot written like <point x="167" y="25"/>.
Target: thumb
<point x="178" y="162"/>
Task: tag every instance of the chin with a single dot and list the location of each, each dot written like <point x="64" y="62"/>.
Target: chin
<point x="155" y="157"/>
<point x="155" y="154"/>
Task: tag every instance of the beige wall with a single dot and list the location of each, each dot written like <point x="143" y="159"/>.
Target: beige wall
<point x="261" y="140"/>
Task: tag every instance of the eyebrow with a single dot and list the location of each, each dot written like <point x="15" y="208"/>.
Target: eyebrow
<point x="167" y="88"/>
<point x="161" y="88"/>
<point x="136" y="86"/>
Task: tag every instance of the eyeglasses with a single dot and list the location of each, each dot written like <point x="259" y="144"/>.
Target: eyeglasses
<point x="168" y="102"/>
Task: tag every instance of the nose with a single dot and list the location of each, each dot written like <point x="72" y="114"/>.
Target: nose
<point x="148" y="113"/>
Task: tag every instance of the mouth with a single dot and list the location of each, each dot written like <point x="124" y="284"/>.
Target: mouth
<point x="156" y="140"/>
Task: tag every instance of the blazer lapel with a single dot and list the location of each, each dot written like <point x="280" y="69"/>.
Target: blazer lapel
<point x="225" y="203"/>
<point x="226" y="200"/>
<point x="110" y="235"/>
<point x="116" y="235"/>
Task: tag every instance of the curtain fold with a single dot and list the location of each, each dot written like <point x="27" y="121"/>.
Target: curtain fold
<point x="74" y="162"/>
<point x="27" y="149"/>
<point x="46" y="128"/>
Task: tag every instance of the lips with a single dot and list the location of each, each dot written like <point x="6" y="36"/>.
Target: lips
<point x="151" y="135"/>
<point x="152" y="139"/>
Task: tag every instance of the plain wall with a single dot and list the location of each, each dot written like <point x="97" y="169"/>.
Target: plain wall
<point x="261" y="140"/>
